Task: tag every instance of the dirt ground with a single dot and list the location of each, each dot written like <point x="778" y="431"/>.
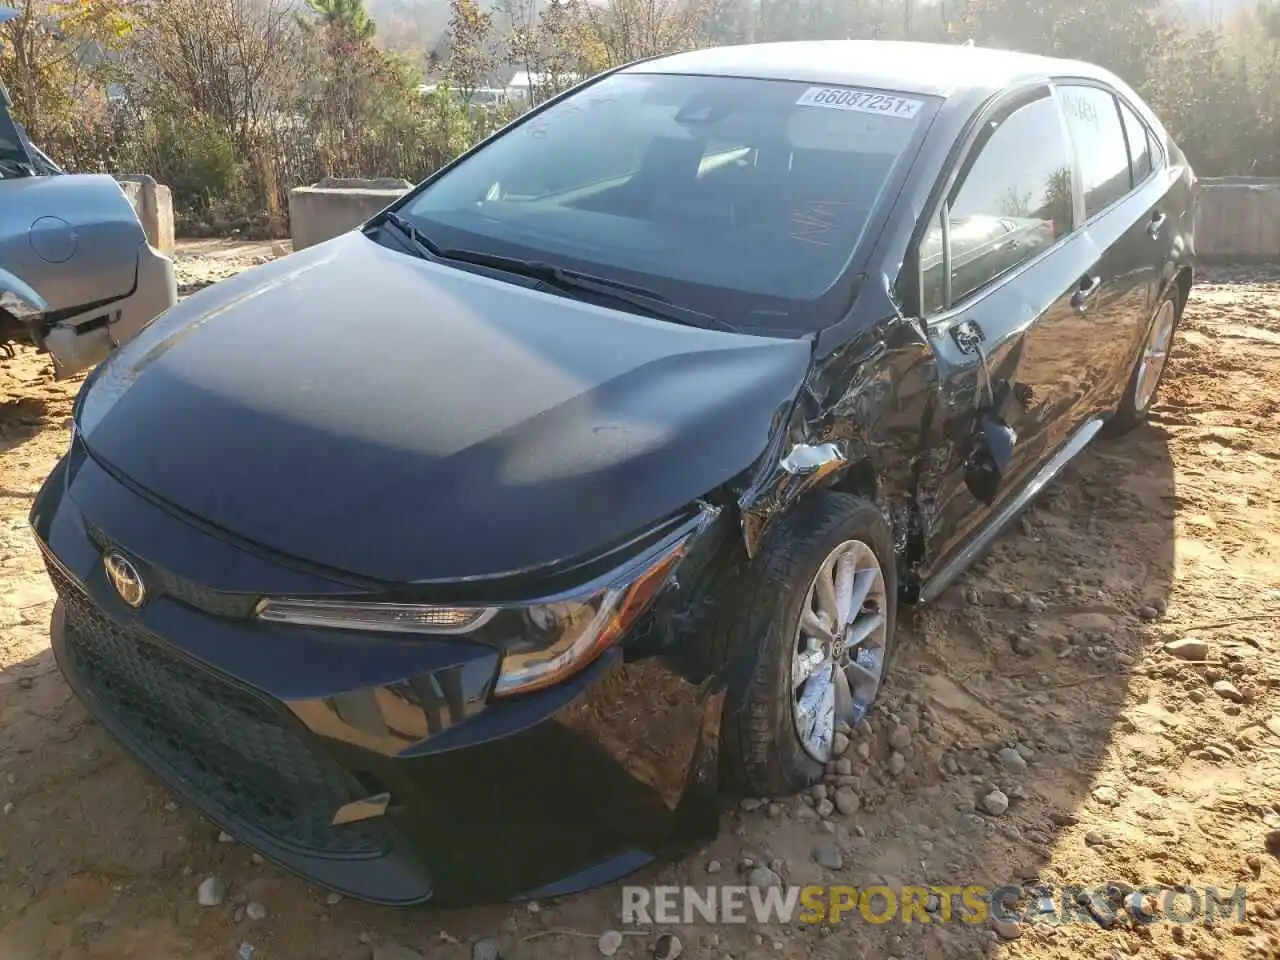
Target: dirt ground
<point x="1132" y="764"/>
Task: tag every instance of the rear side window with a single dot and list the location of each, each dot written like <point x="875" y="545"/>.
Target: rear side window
<point x="1013" y="201"/>
<point x="1099" y="141"/>
<point x="1135" y="132"/>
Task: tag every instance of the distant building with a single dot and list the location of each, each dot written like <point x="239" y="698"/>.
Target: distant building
<point x="525" y="82"/>
<point x="480" y="97"/>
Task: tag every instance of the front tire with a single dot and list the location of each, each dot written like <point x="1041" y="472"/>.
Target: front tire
<point x="1149" y="366"/>
<point x="822" y="592"/>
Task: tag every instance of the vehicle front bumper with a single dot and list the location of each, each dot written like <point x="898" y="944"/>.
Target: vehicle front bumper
<point x="270" y="730"/>
<point x="83" y="336"/>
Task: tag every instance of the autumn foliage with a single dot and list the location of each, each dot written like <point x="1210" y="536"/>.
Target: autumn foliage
<point x="232" y="102"/>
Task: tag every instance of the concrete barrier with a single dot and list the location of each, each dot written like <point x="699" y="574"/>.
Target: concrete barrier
<point x="153" y="203"/>
<point x="1239" y="220"/>
<point x="331" y="207"/>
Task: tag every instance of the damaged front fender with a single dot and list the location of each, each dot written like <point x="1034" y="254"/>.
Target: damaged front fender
<point x="856" y="424"/>
<point x="783" y="480"/>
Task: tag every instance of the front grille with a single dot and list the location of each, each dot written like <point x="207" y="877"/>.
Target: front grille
<point x="216" y="602"/>
<point x="238" y="749"/>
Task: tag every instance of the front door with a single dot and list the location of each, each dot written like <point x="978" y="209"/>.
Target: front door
<point x="1006" y="276"/>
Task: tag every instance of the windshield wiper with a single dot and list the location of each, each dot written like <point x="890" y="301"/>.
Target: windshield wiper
<point x="641" y="298"/>
<point x="424" y="245"/>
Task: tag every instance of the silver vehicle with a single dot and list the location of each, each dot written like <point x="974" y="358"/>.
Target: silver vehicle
<point x="77" y="275"/>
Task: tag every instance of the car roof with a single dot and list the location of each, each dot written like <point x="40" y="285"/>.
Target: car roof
<point x="935" y="69"/>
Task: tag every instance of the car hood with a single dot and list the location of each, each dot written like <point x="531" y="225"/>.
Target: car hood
<point x="401" y="420"/>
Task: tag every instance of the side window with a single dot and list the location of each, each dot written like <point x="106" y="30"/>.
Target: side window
<point x="1099" y="140"/>
<point x="1013" y="201"/>
<point x="933" y="268"/>
<point x="1135" y="132"/>
<point x="1153" y="147"/>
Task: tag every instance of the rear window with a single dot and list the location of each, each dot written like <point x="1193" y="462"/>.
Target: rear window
<point x="691" y="185"/>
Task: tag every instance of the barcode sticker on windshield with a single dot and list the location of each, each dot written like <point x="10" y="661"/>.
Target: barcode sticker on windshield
<point x="862" y="101"/>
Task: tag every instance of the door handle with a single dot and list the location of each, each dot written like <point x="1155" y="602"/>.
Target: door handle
<point x="1156" y="225"/>
<point x="1089" y="287"/>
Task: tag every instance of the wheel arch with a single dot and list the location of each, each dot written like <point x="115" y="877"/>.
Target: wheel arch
<point x="859" y="477"/>
<point x="1182" y="280"/>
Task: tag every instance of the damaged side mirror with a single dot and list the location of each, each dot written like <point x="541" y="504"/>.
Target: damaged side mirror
<point x="991" y="450"/>
<point x="989" y="457"/>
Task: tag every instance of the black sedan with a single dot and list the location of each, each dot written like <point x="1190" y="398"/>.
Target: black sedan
<point x="583" y="482"/>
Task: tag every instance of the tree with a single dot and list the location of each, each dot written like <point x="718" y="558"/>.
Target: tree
<point x="53" y="49"/>
<point x="1121" y="35"/>
<point x="347" y="19"/>
<point x="470" y="54"/>
<point x="234" y="63"/>
<point x="628" y="30"/>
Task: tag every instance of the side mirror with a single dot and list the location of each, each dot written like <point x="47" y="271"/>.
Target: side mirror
<point x="989" y="458"/>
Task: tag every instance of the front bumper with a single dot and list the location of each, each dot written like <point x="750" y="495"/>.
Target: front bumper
<point x="271" y="730"/>
<point x="83" y="337"/>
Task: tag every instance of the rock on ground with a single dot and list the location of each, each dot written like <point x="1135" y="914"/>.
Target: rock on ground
<point x="608" y="943"/>
<point x="994" y="803"/>
<point x="211" y="892"/>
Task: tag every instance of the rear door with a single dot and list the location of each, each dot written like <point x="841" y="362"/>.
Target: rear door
<point x="1005" y="275"/>
<point x="1125" y="216"/>
<point x="1154" y="245"/>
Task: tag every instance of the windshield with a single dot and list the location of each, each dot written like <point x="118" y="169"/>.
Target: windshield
<point x="743" y="198"/>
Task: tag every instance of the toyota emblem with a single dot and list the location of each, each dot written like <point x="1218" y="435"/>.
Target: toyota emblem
<point x="125" y="578"/>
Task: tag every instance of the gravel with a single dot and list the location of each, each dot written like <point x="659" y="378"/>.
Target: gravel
<point x="1228" y="691"/>
<point x="762" y="877"/>
<point x="1013" y="760"/>
<point x="1188" y="648"/>
<point x="211" y="892"/>
<point x="847" y="801"/>
<point x="994" y="803"/>
<point x="667" y="947"/>
<point x="827" y="854"/>
<point x="608" y="944"/>
<point x="1005" y="929"/>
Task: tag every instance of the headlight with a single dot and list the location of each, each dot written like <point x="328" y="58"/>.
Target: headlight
<point x="567" y="636"/>
<point x="542" y="643"/>
<point x="19" y="307"/>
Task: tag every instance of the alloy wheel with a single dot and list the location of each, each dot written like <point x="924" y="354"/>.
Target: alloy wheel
<point x="1155" y="353"/>
<point x="839" y="653"/>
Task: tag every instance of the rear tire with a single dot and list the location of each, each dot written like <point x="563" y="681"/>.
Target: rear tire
<point x="764" y="750"/>
<point x="1149" y="366"/>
